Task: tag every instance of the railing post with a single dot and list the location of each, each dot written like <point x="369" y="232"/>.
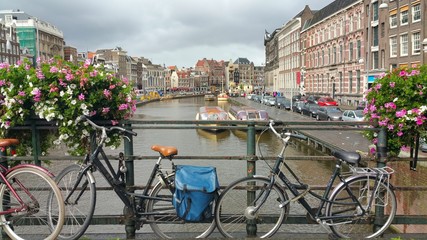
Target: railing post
<point x="381" y="162"/>
<point x="130" y="182"/>
<point x="382" y="148"/>
<point x="35" y="140"/>
<point x="251" y="227"/>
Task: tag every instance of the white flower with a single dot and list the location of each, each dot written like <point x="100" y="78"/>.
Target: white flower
<point x="86" y="112"/>
<point x="83" y="106"/>
<point x="70" y="122"/>
<point x="73" y="102"/>
<point x="57" y="142"/>
<point x="73" y="86"/>
<point x="395" y="100"/>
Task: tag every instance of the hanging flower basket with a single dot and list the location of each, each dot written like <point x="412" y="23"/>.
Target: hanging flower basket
<point x="59" y="91"/>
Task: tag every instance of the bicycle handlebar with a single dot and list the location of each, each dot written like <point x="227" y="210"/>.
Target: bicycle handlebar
<point x="94" y="125"/>
<point x="288" y="134"/>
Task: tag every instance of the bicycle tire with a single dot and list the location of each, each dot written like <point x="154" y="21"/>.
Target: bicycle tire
<point x="234" y="206"/>
<point x="34" y="187"/>
<point x="78" y="215"/>
<point x="361" y="187"/>
<point x="168" y="225"/>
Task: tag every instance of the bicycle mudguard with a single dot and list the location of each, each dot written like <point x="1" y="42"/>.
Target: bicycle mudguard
<point x="26" y="165"/>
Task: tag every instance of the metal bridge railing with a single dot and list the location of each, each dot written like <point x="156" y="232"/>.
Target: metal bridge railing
<point x="250" y="157"/>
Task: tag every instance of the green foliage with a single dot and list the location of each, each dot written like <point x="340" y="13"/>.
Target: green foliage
<point x="60" y="91"/>
<point x="397" y="101"/>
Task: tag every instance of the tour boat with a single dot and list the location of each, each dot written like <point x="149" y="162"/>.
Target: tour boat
<point x="244" y="113"/>
<point x="212" y="113"/>
<point x="222" y="97"/>
<point x="209" y="97"/>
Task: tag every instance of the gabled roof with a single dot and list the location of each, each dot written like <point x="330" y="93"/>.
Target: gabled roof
<point x="327" y="11"/>
<point x="242" y="61"/>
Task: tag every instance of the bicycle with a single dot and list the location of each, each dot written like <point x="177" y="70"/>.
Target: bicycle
<point x="153" y="207"/>
<point x="362" y="204"/>
<point x="32" y="204"/>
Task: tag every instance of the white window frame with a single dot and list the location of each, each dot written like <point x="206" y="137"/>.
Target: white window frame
<point x="393" y="46"/>
<point x="416" y="43"/>
<point x="404" y="47"/>
<point x="402" y="15"/>
<point x="393" y="17"/>
<point x="416" y="12"/>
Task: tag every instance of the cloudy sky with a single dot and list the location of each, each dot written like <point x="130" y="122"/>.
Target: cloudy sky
<point x="170" y="32"/>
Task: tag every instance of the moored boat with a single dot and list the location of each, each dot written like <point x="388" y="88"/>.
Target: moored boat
<point x="223" y="97"/>
<point x="212" y="113"/>
<point x="247" y="113"/>
<point x="209" y="97"/>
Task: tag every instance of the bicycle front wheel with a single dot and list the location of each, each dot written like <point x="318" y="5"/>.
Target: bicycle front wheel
<point x="163" y="219"/>
<point x="347" y="220"/>
<point x="33" y="187"/>
<point x="248" y="208"/>
<point x="79" y="205"/>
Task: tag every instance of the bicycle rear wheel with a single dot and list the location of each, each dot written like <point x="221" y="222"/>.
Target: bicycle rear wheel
<point x="235" y="214"/>
<point x="347" y="221"/>
<point x="80" y="205"/>
<point x="34" y="187"/>
<point x="163" y="220"/>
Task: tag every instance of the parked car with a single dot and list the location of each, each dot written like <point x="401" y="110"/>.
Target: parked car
<point x="313" y="98"/>
<point x="283" y="103"/>
<point x="265" y="99"/>
<point x="361" y="106"/>
<point x="250" y="96"/>
<point x="309" y="109"/>
<point x="423" y="145"/>
<point x="271" y="101"/>
<point x="353" y="115"/>
<point x="297" y="106"/>
<point x="329" y="113"/>
<point x="296" y="98"/>
<point x="326" y="101"/>
<point x="256" y="98"/>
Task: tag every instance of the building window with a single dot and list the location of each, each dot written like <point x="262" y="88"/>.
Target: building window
<point x="375" y="36"/>
<point x="375" y="60"/>
<point x="340" y="79"/>
<point x="393" y="21"/>
<point x="416" y="44"/>
<point x="375" y="11"/>
<point x="404" y="45"/>
<point x="404" y="17"/>
<point x="335" y="55"/>
<point x="416" y="13"/>
<point x="358" y="81"/>
<point x="359" y="49"/>
<point x="350" y="82"/>
<point x="350" y="51"/>
<point x="393" y="46"/>
<point x="341" y="53"/>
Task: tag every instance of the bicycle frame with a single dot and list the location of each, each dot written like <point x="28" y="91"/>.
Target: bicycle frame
<point x="92" y="163"/>
<point x="315" y="213"/>
<point x="3" y="173"/>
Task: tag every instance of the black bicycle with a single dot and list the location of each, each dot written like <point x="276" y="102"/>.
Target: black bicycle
<point x="153" y="206"/>
<point x="360" y="203"/>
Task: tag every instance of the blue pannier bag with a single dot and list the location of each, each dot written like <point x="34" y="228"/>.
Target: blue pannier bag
<point x="195" y="191"/>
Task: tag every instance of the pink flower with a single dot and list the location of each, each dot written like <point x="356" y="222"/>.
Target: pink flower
<point x="123" y="106"/>
<point x="53" y="69"/>
<point x="21" y="93"/>
<point x="111" y="87"/>
<point x="378" y="86"/>
<point x="405" y="148"/>
<point x="401" y="113"/>
<point x="39" y="74"/>
<point x="372" y="151"/>
<point x="400" y="133"/>
<point x="392" y="84"/>
<point x="107" y="93"/>
<point x="2" y="82"/>
<point x="114" y="122"/>
<point x="402" y="73"/>
<point x="390" y="127"/>
<point x="391" y="105"/>
<point x="105" y="110"/>
<point x="81" y="97"/>
<point x="69" y="76"/>
<point x="94" y="73"/>
<point x="420" y="120"/>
